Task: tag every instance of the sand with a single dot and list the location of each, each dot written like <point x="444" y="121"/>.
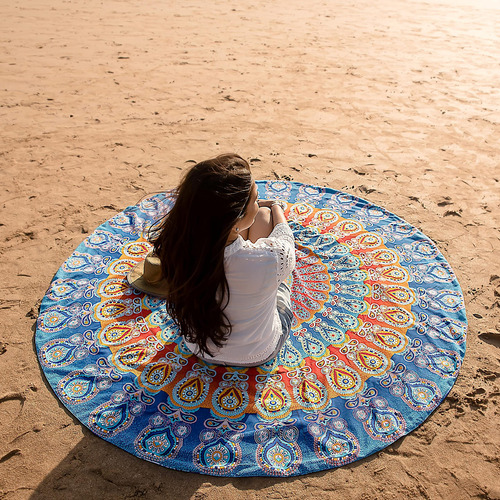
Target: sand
<point x="103" y="102"/>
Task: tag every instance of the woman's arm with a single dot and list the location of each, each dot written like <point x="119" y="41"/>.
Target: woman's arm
<point x="280" y="240"/>
<point x="278" y="216"/>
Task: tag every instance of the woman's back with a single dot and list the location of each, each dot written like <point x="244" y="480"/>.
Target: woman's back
<point x="224" y="292"/>
<point x="254" y="272"/>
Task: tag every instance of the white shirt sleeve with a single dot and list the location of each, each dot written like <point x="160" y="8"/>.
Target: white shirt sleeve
<point x="282" y="244"/>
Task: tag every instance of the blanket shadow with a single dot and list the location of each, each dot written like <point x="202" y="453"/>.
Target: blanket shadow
<point x="96" y="469"/>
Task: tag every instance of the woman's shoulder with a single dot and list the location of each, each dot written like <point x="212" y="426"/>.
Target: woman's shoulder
<point x="240" y="247"/>
<point x="261" y="248"/>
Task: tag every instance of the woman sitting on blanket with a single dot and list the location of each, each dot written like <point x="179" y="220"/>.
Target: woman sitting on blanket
<point x="224" y="257"/>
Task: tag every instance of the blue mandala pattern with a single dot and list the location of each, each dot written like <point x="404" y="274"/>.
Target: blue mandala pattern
<point x="377" y="341"/>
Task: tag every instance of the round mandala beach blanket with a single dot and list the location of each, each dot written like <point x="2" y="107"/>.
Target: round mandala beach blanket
<point x="377" y="341"/>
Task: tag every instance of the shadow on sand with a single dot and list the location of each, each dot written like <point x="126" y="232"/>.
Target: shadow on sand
<point x="96" y="469"/>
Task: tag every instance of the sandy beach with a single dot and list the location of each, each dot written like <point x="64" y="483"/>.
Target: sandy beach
<point x="104" y="102"/>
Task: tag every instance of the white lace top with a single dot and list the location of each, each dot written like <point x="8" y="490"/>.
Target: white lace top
<point x="254" y="272"/>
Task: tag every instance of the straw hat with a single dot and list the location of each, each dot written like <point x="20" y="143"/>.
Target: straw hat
<point x="147" y="277"/>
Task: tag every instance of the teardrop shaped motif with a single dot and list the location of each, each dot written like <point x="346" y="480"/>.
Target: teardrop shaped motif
<point x="278" y="189"/>
<point x="116" y="334"/>
<point x="397" y="316"/>
<point x="384" y="257"/>
<point x="156" y="376"/>
<point x="346" y="200"/>
<point x="61" y="291"/>
<point x="111" y="310"/>
<point x="311" y="394"/>
<point x="335" y="447"/>
<point x="157" y="444"/>
<point x="289" y="356"/>
<point x="421" y="395"/>
<point x="273" y="402"/>
<point x="324" y="218"/>
<point x="110" y="418"/>
<point x="54" y="319"/>
<point x="105" y="241"/>
<point x="399" y="295"/>
<point x="447" y="300"/>
<point x="401" y="229"/>
<point x="113" y="288"/>
<point x="132" y="356"/>
<point x="308" y="391"/>
<point x="390" y="340"/>
<point x="331" y="334"/>
<point x="96" y="239"/>
<point x="137" y="249"/>
<point x="79" y="262"/>
<point x="369" y="240"/>
<point x="57" y="353"/>
<point x="218" y="457"/>
<point x="300" y="312"/>
<point x="349" y="226"/>
<point x="393" y="274"/>
<point x="278" y="458"/>
<point x="444" y="363"/>
<point x="353" y="305"/>
<point x="300" y="211"/>
<point x="440" y="273"/>
<point x="230" y="398"/>
<point x="121" y="267"/>
<point x="385" y="424"/>
<point x="357" y="290"/>
<point x="310" y="192"/>
<point x="376" y="213"/>
<point x="370" y="361"/>
<point x="423" y="250"/>
<point x="230" y="402"/>
<point x="77" y="387"/>
<point x="312" y="347"/>
<point x="345" y="321"/>
<point x="129" y="222"/>
<point x="191" y="391"/>
<point x="344" y="381"/>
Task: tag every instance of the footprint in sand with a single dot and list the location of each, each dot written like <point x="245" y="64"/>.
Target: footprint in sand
<point x="446" y="201"/>
<point x="452" y="212"/>
<point x="11" y="406"/>
<point x="10" y="454"/>
<point x="487" y="374"/>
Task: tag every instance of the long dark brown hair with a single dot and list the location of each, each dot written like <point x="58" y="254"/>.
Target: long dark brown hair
<point x="190" y="243"/>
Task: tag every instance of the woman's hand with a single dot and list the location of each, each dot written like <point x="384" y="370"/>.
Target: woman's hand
<point x="276" y="207"/>
<point x="266" y="203"/>
<point x="271" y="203"/>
